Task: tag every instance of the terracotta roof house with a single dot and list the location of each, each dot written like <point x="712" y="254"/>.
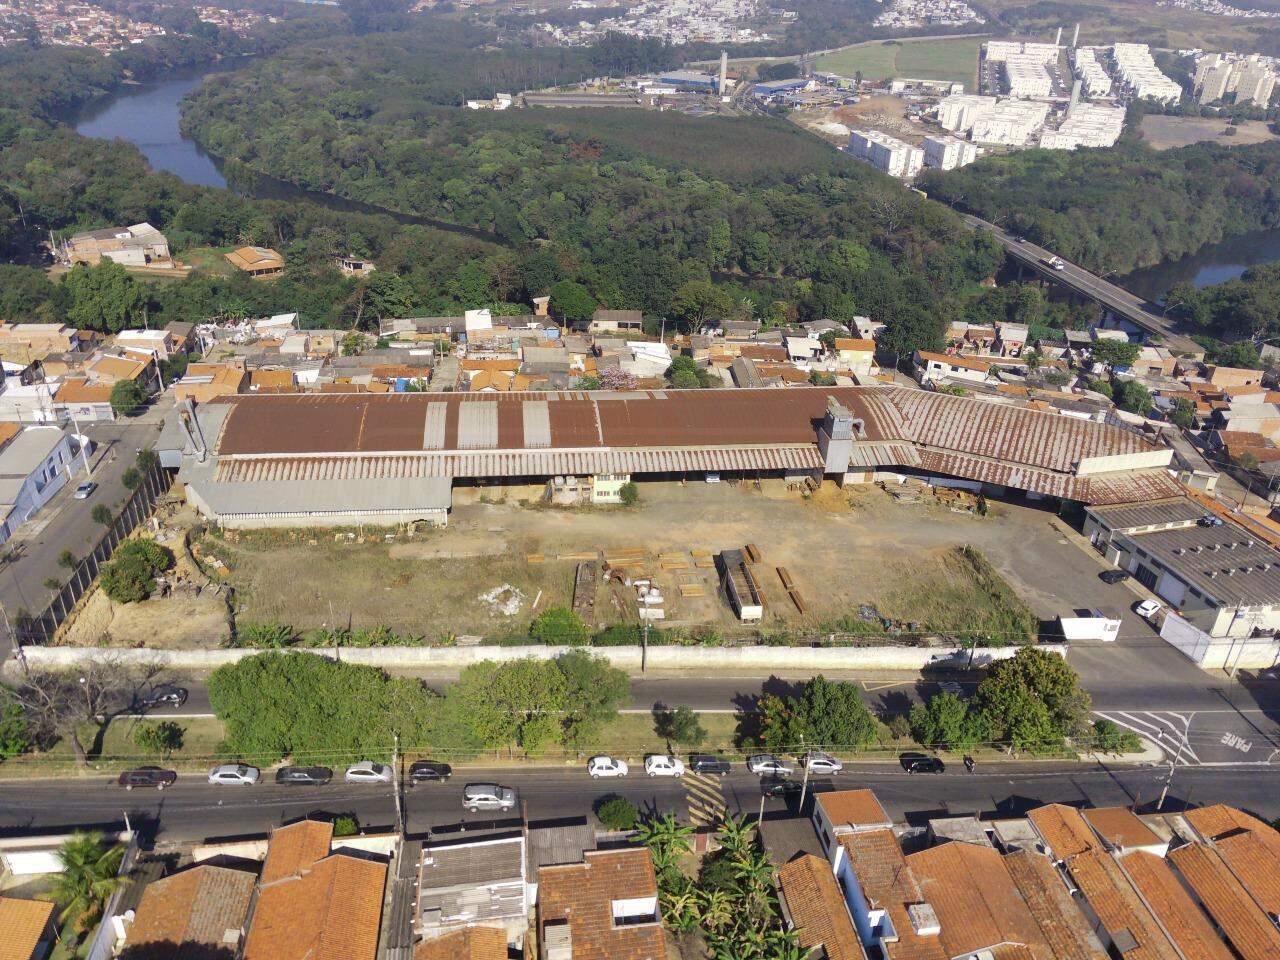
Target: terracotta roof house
<point x="1064" y="831"/>
<point x="847" y="811"/>
<point x="605" y="908"/>
<point x="1247" y="928"/>
<point x="258" y="262"/>
<point x="816" y="909"/>
<point x="26" y="928"/>
<point x="1248" y="846"/>
<point x="1177" y="912"/>
<point x="1065" y="928"/>
<point x="315" y="909"/>
<point x="476" y="943"/>
<point x="1123" y="919"/>
<point x="1121" y="830"/>
<point x="888" y="905"/>
<point x="201" y="907"/>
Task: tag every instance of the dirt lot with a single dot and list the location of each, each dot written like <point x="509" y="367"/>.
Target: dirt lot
<point x="842" y="548"/>
<point x="1166" y="133"/>
<point x="877" y="112"/>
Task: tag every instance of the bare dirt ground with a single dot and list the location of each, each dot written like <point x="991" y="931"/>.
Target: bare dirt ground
<point x="1167" y="133"/>
<point x="842" y="548"/>
<point x="877" y="113"/>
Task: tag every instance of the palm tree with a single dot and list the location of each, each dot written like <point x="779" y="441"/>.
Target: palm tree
<point x="783" y="945"/>
<point x="680" y="908"/>
<point x="717" y="909"/>
<point x="88" y="879"/>
<point x="735" y="835"/>
<point x="665" y="837"/>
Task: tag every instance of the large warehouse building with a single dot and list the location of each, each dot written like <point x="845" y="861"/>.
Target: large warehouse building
<point x="342" y="459"/>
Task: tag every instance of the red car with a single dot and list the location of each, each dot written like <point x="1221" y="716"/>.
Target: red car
<point x="155" y="777"/>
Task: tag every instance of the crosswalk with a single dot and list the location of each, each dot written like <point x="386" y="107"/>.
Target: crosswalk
<point x="705" y="799"/>
<point x="1167" y="729"/>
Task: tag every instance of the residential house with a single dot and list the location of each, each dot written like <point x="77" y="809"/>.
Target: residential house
<point x="80" y="401"/>
<point x="1232" y="376"/>
<point x="474" y="883"/>
<point x="804" y="349"/>
<point x="857" y="356"/>
<point x="350" y="266"/>
<point x="1121" y="831"/>
<point x="1011" y="339"/>
<point x="28" y="342"/>
<point x="204" y="381"/>
<point x="473" y="943"/>
<point x="27" y="928"/>
<point x="972" y="338"/>
<point x="739" y="329"/>
<point x="272" y="381"/>
<point x="866" y="328"/>
<point x="843" y="812"/>
<point x="158" y="344"/>
<point x="35" y="463"/>
<point x="113" y="368"/>
<point x="1154" y="362"/>
<point x="816" y="328"/>
<point x="616" y="321"/>
<point x="258" y="262"/>
<point x="605" y="908"/>
<point x="198" y="911"/>
<point x="183" y="335"/>
<point x="313" y="904"/>
<point x="1167" y="898"/>
<point x="140" y="245"/>
<point x="815" y="909"/>
<point x="1224" y="893"/>
<point x="946" y="368"/>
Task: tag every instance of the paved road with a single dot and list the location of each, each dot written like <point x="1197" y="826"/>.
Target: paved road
<point x="193" y="810"/>
<point x="66" y="523"/>
<point x="1115" y="298"/>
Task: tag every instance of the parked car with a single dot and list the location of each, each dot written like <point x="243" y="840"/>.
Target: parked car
<point x="488" y="796"/>
<point x="822" y="764"/>
<point x="85" y="490"/>
<point x="607" y="767"/>
<point x="147" y="777"/>
<point x="706" y="763"/>
<point x="780" y="787"/>
<point x="767" y="763"/>
<point x="1148" y="609"/>
<point x="921" y="763"/>
<point x="304" y="776"/>
<point x="426" y="771"/>
<point x="366" y="771"/>
<point x="238" y="774"/>
<point x="1113" y="576"/>
<point x="661" y="765"/>
<point x="166" y="696"/>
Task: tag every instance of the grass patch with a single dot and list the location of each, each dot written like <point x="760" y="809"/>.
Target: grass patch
<point x="201" y="745"/>
<point x="208" y="260"/>
<point x="960" y="593"/>
<point x="949" y="58"/>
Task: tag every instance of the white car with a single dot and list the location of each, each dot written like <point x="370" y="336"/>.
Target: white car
<point x="85" y="490"/>
<point x="661" y="765"/>
<point x="766" y="763"/>
<point x="1147" y="609"/>
<point x="240" y="774"/>
<point x="823" y="764"/>
<point x="607" y="767"/>
<point x="366" y="771"/>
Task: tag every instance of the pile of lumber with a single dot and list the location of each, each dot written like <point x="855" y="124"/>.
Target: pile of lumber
<point x="673" y="561"/>
<point x="586" y="581"/>
<point x="703" y="559"/>
<point x="625" y="557"/>
<point x="790" y="586"/>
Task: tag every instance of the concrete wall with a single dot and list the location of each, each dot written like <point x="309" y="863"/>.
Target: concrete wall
<point x="626" y="658"/>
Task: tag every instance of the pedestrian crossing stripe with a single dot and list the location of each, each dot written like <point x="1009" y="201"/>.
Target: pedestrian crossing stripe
<point x="704" y="799"/>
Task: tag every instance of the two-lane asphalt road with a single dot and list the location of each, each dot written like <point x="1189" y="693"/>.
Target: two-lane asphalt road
<point x="194" y="810"/>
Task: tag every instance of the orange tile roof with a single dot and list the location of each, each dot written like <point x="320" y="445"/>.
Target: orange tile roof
<point x="195" y="907"/>
<point x="1061" y="922"/>
<point x="295" y="848"/>
<point x="255" y="258"/>
<point x="763" y="351"/>
<point x="1248" y="929"/>
<point x="582" y="894"/>
<point x="853" y="343"/>
<point x="947" y="358"/>
<point x="1173" y="907"/>
<point x="492" y="366"/>
<point x="474" y="943"/>
<point x="1120" y="827"/>
<point x="857" y="808"/>
<point x="818" y="910"/>
<point x="977" y="904"/>
<point x="82" y="391"/>
<point x="24" y="923"/>
<point x="117" y="368"/>
<point x="1063" y="829"/>
<point x="889" y="884"/>
<point x="271" y="379"/>
<point x="331" y="912"/>
<point x="1117" y="905"/>
<point x="1255" y="863"/>
<point x="8" y="431"/>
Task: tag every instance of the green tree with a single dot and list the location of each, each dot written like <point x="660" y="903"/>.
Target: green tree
<point x="617" y="813"/>
<point x="946" y="721"/>
<point x="630" y="493"/>
<point x="131" y="478"/>
<point x="346" y="825"/>
<point x="1183" y="413"/>
<point x="571" y="302"/>
<point x="162" y="738"/>
<point x="1108" y="737"/>
<point x="16" y="735"/>
<point x="89" y="877"/>
<point x="146" y="460"/>
<point x="1114" y="353"/>
<point x="388" y="295"/>
<point x="833" y="714"/>
<point x="685" y="374"/>
<point x="498" y="700"/>
<point x="774" y="725"/>
<point x="593" y="693"/>
<point x="102" y="514"/>
<point x="103" y="297"/>
<point x="680" y="726"/>
<point x="126" y="398"/>
<point x="130" y="574"/>
<point x="697" y="302"/>
<point x="1132" y="396"/>
<point x="67" y="559"/>
<point x="558" y="627"/>
<point x="1032" y="699"/>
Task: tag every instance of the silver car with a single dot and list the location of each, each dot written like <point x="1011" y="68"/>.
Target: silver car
<point x="237" y="774"/>
<point x="488" y="796"/>
<point x="366" y="771"/>
<point x="822" y="764"/>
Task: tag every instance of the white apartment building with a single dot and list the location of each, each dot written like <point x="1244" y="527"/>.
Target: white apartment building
<point x="1092" y="76"/>
<point x="1256" y="83"/>
<point x="887" y="154"/>
<point x="1213" y="78"/>
<point x="988" y="120"/>
<point x="1137" y="71"/>
<point x="947" y="153"/>
<point x="1086" y="125"/>
<point x="959" y="112"/>
<point x="1251" y="79"/>
<point x="998" y="51"/>
<point x="1025" y="77"/>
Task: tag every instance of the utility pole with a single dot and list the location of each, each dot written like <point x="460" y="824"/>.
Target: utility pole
<point x="1186" y="729"/>
<point x="804" y="782"/>
<point x="395" y="784"/>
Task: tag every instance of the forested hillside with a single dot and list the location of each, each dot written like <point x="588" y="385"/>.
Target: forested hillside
<point x="1113" y="211"/>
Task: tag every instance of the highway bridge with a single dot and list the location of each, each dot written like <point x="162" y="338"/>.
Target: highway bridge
<point x="1117" y="300"/>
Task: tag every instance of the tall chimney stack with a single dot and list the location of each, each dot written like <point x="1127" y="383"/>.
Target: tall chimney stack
<point x="1057" y="40"/>
<point x="1075" y="37"/>
<point x="724" y="72"/>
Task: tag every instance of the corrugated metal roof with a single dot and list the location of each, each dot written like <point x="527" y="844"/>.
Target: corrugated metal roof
<point x="1150" y="513"/>
<point x="477" y="426"/>
<point x="537" y="423"/>
<point x="433" y="433"/>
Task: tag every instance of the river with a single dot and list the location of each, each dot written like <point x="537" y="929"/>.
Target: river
<point x="1212" y="264"/>
<point x="147" y="115"/>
